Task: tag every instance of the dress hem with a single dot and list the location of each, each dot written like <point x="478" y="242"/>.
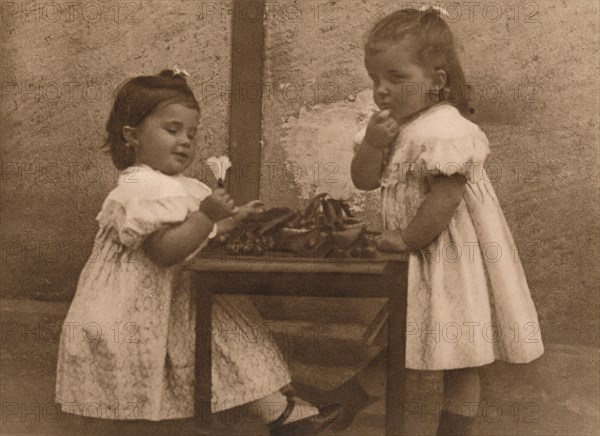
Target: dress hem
<point x="497" y="359"/>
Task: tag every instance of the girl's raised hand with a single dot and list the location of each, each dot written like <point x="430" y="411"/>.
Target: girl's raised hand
<point x="390" y="240"/>
<point x="248" y="210"/>
<point x="218" y="205"/>
<point x="381" y="130"/>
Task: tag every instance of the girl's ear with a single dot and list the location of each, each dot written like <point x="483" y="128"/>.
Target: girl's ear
<point x="129" y="134"/>
<point x="439" y="79"/>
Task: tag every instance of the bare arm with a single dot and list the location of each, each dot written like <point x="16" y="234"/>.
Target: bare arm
<point x="435" y="212"/>
<point x="367" y="163"/>
<point x="432" y="217"/>
<point x="366" y="167"/>
<point x="171" y="245"/>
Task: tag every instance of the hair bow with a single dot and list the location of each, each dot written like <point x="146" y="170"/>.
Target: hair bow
<point x="440" y="9"/>
<point x="179" y="72"/>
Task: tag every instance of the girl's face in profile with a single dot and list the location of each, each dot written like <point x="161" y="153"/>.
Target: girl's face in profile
<point x="399" y="84"/>
<point x="165" y="138"/>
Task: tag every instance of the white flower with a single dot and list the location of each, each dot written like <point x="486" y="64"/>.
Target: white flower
<point x="219" y="166"/>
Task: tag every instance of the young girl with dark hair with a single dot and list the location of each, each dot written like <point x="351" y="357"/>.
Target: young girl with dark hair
<point x="127" y="351"/>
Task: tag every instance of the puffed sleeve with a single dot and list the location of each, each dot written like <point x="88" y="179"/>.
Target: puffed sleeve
<point x="137" y="209"/>
<point x="454" y="155"/>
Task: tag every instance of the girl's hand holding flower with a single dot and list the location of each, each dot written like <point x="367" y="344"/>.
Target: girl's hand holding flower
<point x="218" y="205"/>
<point x="391" y="240"/>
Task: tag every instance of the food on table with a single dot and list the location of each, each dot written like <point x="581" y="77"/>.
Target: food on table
<point x="325" y="228"/>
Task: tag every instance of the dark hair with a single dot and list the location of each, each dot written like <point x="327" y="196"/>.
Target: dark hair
<point x="136" y="99"/>
<point x="434" y="48"/>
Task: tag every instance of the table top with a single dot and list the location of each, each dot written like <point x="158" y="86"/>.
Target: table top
<point x="289" y="263"/>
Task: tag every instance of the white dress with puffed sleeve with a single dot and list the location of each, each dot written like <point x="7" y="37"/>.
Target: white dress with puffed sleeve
<point x="468" y="299"/>
<point x="127" y="350"/>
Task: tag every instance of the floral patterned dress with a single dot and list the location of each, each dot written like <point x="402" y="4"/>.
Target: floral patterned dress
<point x="127" y="349"/>
<point x="468" y="299"/>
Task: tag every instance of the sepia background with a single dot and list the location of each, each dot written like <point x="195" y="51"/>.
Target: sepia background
<point x="533" y="68"/>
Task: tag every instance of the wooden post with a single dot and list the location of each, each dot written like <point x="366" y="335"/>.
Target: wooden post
<point x="245" y="115"/>
<point x="397" y="273"/>
<point x="203" y="375"/>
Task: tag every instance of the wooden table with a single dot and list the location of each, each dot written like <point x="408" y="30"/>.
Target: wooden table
<point x="277" y="274"/>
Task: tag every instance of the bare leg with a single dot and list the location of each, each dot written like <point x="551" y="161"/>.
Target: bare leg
<point x="462" y="391"/>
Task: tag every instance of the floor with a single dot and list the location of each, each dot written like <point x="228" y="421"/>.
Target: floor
<point x="559" y="394"/>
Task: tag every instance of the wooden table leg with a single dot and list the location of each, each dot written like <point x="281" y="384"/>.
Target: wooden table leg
<point x="397" y="290"/>
<point x="203" y="373"/>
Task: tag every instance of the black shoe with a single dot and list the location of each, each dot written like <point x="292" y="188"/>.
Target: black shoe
<point x="350" y="395"/>
<point x="304" y="427"/>
<point x="350" y="411"/>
